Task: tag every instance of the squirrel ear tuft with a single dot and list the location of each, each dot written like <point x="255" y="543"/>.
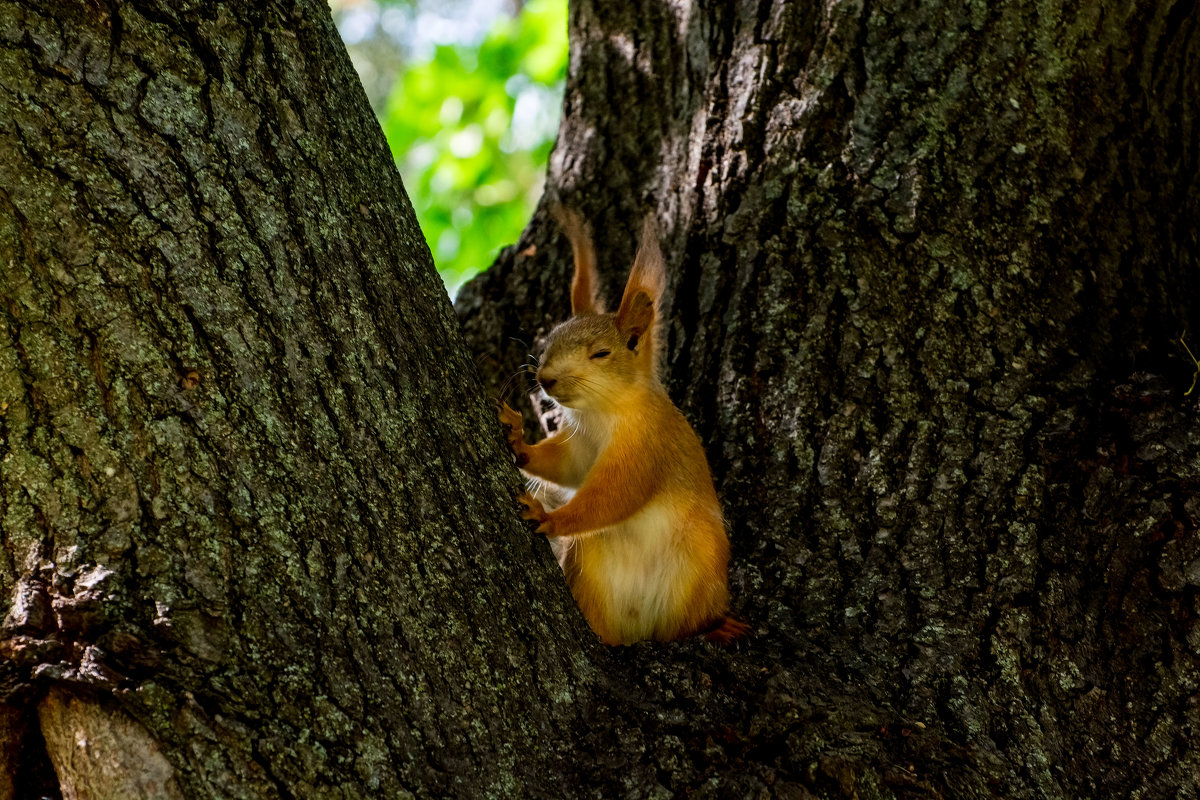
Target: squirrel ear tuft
<point x="646" y="280"/>
<point x="585" y="286"/>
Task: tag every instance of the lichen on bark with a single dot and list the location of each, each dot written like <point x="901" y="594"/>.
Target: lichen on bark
<point x="913" y="251"/>
<point x="246" y="459"/>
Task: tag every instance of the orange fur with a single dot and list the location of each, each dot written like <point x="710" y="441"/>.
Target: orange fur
<point x="636" y="316"/>
<point x="585" y="286"/>
<point x="550" y="459"/>
<point x="641" y="540"/>
<point x="729" y="631"/>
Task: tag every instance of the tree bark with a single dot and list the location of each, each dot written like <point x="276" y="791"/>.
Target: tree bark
<point x="256" y="515"/>
<point x="930" y="266"/>
<point x="255" y="512"/>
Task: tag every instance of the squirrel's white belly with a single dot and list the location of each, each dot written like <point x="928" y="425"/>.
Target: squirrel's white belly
<point x="638" y="565"/>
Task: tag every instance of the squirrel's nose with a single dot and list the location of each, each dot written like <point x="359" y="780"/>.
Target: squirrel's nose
<point x="547" y="383"/>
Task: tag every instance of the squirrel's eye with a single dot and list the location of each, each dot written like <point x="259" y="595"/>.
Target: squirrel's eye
<point x="601" y="354"/>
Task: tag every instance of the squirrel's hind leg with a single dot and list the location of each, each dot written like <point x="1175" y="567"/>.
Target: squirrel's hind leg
<point x="727" y="631"/>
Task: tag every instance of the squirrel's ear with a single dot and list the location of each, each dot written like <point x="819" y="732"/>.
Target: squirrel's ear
<point x="634" y="322"/>
<point x="585" y="286"/>
<point x="635" y="317"/>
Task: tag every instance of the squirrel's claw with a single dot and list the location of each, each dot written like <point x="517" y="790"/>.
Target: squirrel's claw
<point x="513" y="424"/>
<point x="532" y="508"/>
<point x="728" y="631"/>
<point x="510" y="418"/>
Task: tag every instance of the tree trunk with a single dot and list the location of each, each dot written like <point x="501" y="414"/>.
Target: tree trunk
<point x="930" y="270"/>
<point x="256" y="514"/>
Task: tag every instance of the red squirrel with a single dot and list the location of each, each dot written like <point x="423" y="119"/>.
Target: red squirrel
<point x="641" y="539"/>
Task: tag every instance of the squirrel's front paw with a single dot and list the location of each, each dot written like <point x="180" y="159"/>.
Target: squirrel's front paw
<point x="513" y="424"/>
<point x="532" y="508"/>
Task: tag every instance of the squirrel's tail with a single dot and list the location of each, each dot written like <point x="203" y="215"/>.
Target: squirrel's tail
<point x="726" y="631"/>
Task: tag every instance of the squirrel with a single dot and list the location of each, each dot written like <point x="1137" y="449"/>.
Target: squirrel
<point x="641" y="539"/>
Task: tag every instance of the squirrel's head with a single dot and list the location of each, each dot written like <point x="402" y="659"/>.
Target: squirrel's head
<point x="594" y="359"/>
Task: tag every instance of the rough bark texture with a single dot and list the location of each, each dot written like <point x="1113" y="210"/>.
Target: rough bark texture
<point x="253" y="502"/>
<point x="252" y="499"/>
<point x="930" y="266"/>
<point x="11" y="736"/>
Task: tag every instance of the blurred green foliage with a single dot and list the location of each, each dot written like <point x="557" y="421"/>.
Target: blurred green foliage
<point x="472" y="129"/>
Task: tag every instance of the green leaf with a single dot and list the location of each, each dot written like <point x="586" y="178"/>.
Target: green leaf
<point x="471" y="129"/>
